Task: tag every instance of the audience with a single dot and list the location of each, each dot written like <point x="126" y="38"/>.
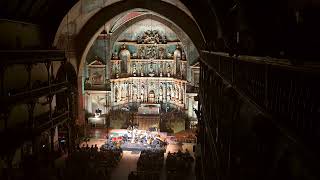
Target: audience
<point x="149" y="165"/>
<point x="179" y="162"/>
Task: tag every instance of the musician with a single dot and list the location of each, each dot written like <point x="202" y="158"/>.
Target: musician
<point x="97" y="113"/>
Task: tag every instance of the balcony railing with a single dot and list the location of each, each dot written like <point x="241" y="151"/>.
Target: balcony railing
<point x="26" y="95"/>
<point x="23" y="131"/>
<point x="31" y="56"/>
<point x="288" y="93"/>
<point x="43" y="122"/>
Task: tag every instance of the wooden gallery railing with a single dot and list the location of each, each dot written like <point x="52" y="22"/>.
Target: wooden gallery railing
<point x="29" y="95"/>
<point x="289" y="95"/>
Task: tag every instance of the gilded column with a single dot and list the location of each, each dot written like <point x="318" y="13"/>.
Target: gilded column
<point x="185" y="95"/>
<point x="138" y="92"/>
<point x="89" y="103"/>
<point x="120" y="85"/>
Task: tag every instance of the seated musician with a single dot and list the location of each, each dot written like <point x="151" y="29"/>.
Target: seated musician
<point x="97" y="113"/>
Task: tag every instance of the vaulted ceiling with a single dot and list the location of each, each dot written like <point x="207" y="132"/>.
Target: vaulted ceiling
<point x="35" y="11"/>
<point x="266" y="27"/>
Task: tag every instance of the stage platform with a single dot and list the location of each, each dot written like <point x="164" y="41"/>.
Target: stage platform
<point x="136" y="147"/>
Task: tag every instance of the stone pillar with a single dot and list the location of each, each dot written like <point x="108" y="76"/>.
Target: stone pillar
<point x="165" y="92"/>
<point x="112" y="93"/>
<point x="180" y="93"/>
<point x="52" y="132"/>
<point x="81" y="103"/>
<point x="138" y="92"/>
<point x="108" y="57"/>
<point x="31" y="106"/>
<point x="131" y="92"/>
<point x="185" y="95"/>
<point x="72" y="116"/>
<point x="35" y="145"/>
<point x="119" y="91"/>
<point x="89" y="103"/>
<point x="69" y="142"/>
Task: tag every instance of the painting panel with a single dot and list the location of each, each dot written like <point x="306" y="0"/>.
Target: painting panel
<point x="97" y="76"/>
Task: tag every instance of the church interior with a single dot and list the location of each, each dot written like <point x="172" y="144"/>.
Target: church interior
<point x="159" y="89"/>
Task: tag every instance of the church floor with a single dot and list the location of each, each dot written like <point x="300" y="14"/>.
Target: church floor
<point x="127" y="164"/>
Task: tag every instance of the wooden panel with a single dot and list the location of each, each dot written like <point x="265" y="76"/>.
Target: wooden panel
<point x="147" y="121"/>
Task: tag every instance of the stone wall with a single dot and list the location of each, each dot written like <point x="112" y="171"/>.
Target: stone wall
<point x="20" y="35"/>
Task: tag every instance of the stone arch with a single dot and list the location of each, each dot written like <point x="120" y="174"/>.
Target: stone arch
<point x="78" y="15"/>
<point x="90" y="30"/>
<point x="186" y="41"/>
<point x="66" y="73"/>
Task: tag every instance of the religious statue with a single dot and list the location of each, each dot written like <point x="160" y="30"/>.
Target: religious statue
<point x="161" y="52"/>
<point x="151" y="37"/>
<point x="142" y="92"/>
<point x="173" y="92"/>
<point x="168" y="70"/>
<point x="151" y="52"/>
<point x="117" y="70"/>
<point x="151" y="71"/>
<point x="115" y="56"/>
<point x="134" y="55"/>
<point x="123" y="47"/>
<point x="164" y="39"/>
<point x="123" y="93"/>
<point x="134" y="92"/>
<point x="139" y="40"/>
<point x="177" y="93"/>
<point x="183" y="55"/>
<point x="116" y="94"/>
<point x="160" y="94"/>
<point x="183" y="71"/>
<point x="141" y="69"/>
<point x="168" y="94"/>
<point x="141" y="52"/>
<point x="134" y="70"/>
<point x="124" y="56"/>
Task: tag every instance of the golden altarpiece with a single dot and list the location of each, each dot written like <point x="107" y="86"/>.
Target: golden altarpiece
<point x="148" y="75"/>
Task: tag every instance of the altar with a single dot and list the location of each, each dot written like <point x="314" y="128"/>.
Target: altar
<point x="149" y="109"/>
<point x="101" y="120"/>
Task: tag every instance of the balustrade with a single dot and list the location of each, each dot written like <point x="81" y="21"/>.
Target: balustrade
<point x="287" y="93"/>
<point x="30" y="94"/>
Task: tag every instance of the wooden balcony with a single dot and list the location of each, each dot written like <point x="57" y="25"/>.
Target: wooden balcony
<point x="287" y="93"/>
<point x="31" y="56"/>
<point x="27" y="95"/>
<point x="15" y="136"/>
